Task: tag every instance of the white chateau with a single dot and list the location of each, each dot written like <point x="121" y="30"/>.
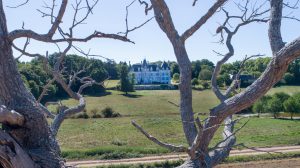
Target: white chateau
<point x="149" y="73"/>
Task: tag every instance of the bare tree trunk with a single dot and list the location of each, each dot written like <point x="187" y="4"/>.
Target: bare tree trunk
<point x="34" y="136"/>
<point x="186" y="110"/>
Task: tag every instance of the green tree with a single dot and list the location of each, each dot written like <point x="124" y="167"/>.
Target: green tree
<point x="205" y="84"/>
<point x="289" y="78"/>
<point x="260" y="105"/>
<point x="196" y="68"/>
<point x="282" y="96"/>
<point x="34" y="88"/>
<point x="294" y="68"/>
<point x="275" y="106"/>
<point x="195" y="82"/>
<point x="176" y="76"/>
<point x="125" y="82"/>
<point x="229" y="68"/>
<point x="174" y="68"/>
<point x="205" y="74"/>
<point x="224" y="79"/>
<point x="292" y="105"/>
<point x="256" y="74"/>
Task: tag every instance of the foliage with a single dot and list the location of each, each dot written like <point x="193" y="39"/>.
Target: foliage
<point x="292" y="104"/>
<point x="174" y="68"/>
<point x="282" y="97"/>
<point x="35" y="77"/>
<point x="275" y="106"/>
<point x="289" y="78"/>
<point x="166" y="164"/>
<point x="108" y="112"/>
<point x="195" y="82"/>
<point x="176" y="77"/>
<point x="205" y="84"/>
<point x="224" y="79"/>
<point x="205" y="74"/>
<point x="126" y="84"/>
<point x="96" y="113"/>
<point x="118" y="142"/>
<point x="83" y="115"/>
<point x="260" y="106"/>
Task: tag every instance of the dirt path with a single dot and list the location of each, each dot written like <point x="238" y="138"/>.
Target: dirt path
<point x="282" y="163"/>
<point x="174" y="157"/>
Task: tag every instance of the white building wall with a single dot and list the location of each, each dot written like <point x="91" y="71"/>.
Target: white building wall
<point x="145" y="76"/>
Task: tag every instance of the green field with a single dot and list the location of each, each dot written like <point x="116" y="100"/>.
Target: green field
<point x="117" y="138"/>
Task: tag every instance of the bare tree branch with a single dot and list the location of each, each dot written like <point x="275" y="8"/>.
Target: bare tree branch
<point x="45" y="90"/>
<point x="59" y="118"/>
<point x="235" y="82"/>
<point x="245" y="19"/>
<point x="155" y="140"/>
<point x="22" y="4"/>
<point x="188" y="33"/>
<point x="128" y="30"/>
<point x="147" y="7"/>
<point x="194" y="3"/>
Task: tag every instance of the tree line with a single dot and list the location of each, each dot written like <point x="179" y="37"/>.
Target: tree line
<point x="279" y="102"/>
<point x="35" y="77"/>
<point x="202" y="70"/>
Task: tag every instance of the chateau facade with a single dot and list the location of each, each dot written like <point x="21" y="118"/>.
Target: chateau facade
<point x="149" y="73"/>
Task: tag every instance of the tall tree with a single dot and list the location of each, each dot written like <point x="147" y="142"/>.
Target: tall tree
<point x="199" y="139"/>
<point x="292" y="104"/>
<point x="126" y="84"/>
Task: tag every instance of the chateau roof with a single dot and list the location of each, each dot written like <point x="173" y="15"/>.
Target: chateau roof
<point x="146" y="65"/>
<point x="165" y="65"/>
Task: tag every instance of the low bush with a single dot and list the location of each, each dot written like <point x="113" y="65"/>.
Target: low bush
<point x="81" y="115"/>
<point x="95" y="113"/>
<point x="108" y="112"/>
<point x="205" y="84"/>
<point x="118" y="142"/>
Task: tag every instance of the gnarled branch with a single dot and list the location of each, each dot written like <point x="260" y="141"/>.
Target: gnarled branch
<point x="11" y="117"/>
<point x="158" y="142"/>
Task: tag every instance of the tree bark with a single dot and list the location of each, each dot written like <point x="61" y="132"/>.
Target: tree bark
<point x="186" y="102"/>
<point x="12" y="155"/>
<point x="34" y="136"/>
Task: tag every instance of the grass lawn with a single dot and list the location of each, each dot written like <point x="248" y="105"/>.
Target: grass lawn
<point x="111" y="83"/>
<point x="117" y="138"/>
<point x="287" y="89"/>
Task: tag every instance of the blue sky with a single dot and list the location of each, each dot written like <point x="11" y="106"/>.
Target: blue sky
<point x="151" y="43"/>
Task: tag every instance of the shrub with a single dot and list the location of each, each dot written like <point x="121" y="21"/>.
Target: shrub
<point x="275" y="106"/>
<point x="289" y="78"/>
<point x="282" y="96"/>
<point x="81" y="115"/>
<point x="96" y="113"/>
<point x="108" y="112"/>
<point x="176" y="76"/>
<point x="292" y="104"/>
<point x="195" y="81"/>
<point x="205" y="84"/>
<point x="260" y="106"/>
<point x="118" y="142"/>
<point x="224" y="79"/>
<point x="205" y="74"/>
